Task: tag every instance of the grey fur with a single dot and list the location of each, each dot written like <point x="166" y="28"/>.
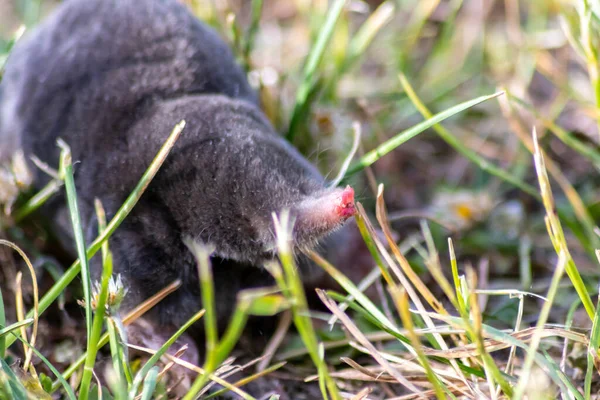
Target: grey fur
<point x="112" y="78"/>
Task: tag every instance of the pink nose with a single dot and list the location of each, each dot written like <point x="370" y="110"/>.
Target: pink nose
<point x="318" y="215"/>
<point x="345" y="203"/>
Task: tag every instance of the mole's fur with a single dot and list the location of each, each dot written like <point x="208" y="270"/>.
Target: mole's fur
<point x="112" y="78"/>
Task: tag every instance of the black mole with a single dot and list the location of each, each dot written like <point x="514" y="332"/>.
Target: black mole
<point x="112" y="78"/>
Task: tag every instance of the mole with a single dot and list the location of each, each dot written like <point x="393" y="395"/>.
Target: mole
<point x="112" y="78"/>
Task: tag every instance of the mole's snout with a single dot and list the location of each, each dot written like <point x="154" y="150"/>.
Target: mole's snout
<point x="345" y="207"/>
<point x="322" y="213"/>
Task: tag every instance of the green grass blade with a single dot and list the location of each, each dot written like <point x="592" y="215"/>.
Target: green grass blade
<point x="384" y="148"/>
<point x="257" y="6"/>
<point x="123" y="211"/>
<point x="143" y="372"/>
<point x="359" y="44"/>
<point x="466" y="152"/>
<point x="59" y="376"/>
<point x="461" y="305"/>
<point x="359" y="310"/>
<point x="98" y="323"/>
<point x="117" y="355"/>
<point x="12" y="327"/>
<point x="202" y="254"/>
<point x="233" y="332"/>
<point x="401" y="299"/>
<point x="555" y="231"/>
<point x="66" y="168"/>
<point x="11" y="383"/>
<point x="592" y="354"/>
<point x="149" y="384"/>
<point x="8" y="47"/>
<point x="535" y="340"/>
<point x="294" y="290"/>
<point x="37" y="200"/>
<point x="2" y="325"/>
<point x="239" y="383"/>
<point x="314" y="59"/>
<point x="367" y="32"/>
<point x="560" y="375"/>
<point x="548" y="366"/>
<point x="360" y="297"/>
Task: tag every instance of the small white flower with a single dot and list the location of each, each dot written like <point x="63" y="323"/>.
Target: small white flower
<point x="116" y="293"/>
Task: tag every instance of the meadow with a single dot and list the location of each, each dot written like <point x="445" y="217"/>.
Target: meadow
<point x="470" y="131"/>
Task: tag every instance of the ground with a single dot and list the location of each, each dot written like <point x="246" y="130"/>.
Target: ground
<point x="489" y="267"/>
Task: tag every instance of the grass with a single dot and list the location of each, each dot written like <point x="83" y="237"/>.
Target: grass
<point x="443" y="105"/>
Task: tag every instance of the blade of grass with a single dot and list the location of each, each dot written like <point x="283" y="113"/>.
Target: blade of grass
<point x="357" y="334"/>
<point x="20" y="308"/>
<point x="355" y="143"/>
<point x="459" y="299"/>
<point x="6" y="330"/>
<point x="11" y="383"/>
<point x="492" y="373"/>
<point x="419" y="286"/>
<point x="2" y="326"/>
<point x="590" y="152"/>
<point x="113" y="322"/>
<point x="246" y="380"/>
<point x="556" y="233"/>
<point x="37" y="200"/>
<point x="382" y="218"/>
<point x="525" y="372"/>
<point x="260" y="301"/>
<point x="195" y="368"/>
<point x="581" y="211"/>
<point x="123" y="211"/>
<point x="129" y="318"/>
<point x="384" y="148"/>
<point x="370" y="235"/>
<point x="119" y="361"/>
<point x="245" y="304"/>
<point x="98" y="323"/>
<point x="35" y="311"/>
<point x="472" y="320"/>
<point x="359" y="310"/>
<point x="149" y="384"/>
<point x="302" y="104"/>
<point x="432" y="261"/>
<point x="294" y="290"/>
<point x="66" y="171"/>
<point x="592" y="355"/>
<point x="359" y="44"/>
<point x="143" y="372"/>
<point x="549" y="366"/>
<point x="401" y="299"/>
<point x="360" y="297"/>
<point x="414" y="26"/>
<point x="68" y="390"/>
<point x="458" y="146"/>
<point x="367" y="32"/>
<point x="202" y="254"/>
<point x="8" y="47"/>
<point x="361" y="222"/>
<point x="257" y="6"/>
<point x="588" y="28"/>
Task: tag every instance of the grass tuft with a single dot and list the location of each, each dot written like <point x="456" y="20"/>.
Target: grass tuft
<point x="480" y="282"/>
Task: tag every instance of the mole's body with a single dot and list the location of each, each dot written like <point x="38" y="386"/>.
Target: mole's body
<point x="112" y="78"/>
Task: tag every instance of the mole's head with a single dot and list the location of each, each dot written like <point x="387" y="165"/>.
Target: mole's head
<point x="232" y="172"/>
